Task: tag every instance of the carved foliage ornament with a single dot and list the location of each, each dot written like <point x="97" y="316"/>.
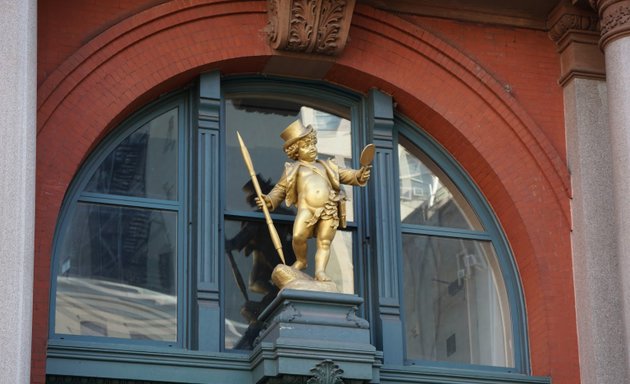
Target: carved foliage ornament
<point x="570" y="22"/>
<point x="619" y="18"/>
<point x="326" y="372"/>
<point x="614" y="18"/>
<point x="309" y="26"/>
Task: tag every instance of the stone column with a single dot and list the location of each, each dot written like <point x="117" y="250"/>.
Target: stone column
<point x="599" y="309"/>
<point x="18" y="61"/>
<point x="615" y="42"/>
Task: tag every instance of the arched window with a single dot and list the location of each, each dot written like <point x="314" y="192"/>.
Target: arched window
<point x="460" y="291"/>
<point x="160" y="243"/>
<point x="117" y="270"/>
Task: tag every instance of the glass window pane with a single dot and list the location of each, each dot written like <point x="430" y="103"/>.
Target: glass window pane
<point x="427" y="195"/>
<point x="117" y="273"/>
<point x="251" y="258"/>
<point x="456" y="306"/>
<point x="144" y="164"/>
<point x="260" y="122"/>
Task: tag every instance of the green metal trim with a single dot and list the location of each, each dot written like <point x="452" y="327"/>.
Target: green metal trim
<point x="208" y="228"/>
<point x="54" y="379"/>
<point x="258" y="216"/>
<point x="148" y="363"/>
<point x="400" y="375"/>
<point x="325" y="95"/>
<point x="444" y="232"/>
<point x="389" y="335"/>
<point x="129" y="201"/>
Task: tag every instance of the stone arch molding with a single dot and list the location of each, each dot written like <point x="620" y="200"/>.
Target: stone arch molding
<point x="144" y="55"/>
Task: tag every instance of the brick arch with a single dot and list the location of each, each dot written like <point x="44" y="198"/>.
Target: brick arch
<point x="525" y="180"/>
<point x="452" y="97"/>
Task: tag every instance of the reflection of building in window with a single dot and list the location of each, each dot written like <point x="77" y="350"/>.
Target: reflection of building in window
<point x="334" y="141"/>
<point x="422" y="196"/>
<point x="456" y="307"/>
<point x="144" y="164"/>
<point x="100" y="255"/>
<point x="93" y="307"/>
<point x="124" y="257"/>
<point x="426" y="195"/>
<point x="333" y="134"/>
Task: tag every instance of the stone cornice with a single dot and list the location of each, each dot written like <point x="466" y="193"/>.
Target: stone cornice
<point x="614" y="18"/>
<point x="309" y="26"/>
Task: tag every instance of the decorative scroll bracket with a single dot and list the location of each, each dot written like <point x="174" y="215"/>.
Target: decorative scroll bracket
<point x="309" y="26"/>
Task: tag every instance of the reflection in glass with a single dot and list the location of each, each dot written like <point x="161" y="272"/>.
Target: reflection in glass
<point x="117" y="273"/>
<point x="251" y="258"/>
<point x="144" y="164"/>
<point x="427" y="195"/>
<point x="456" y="307"/>
<point x="260" y="121"/>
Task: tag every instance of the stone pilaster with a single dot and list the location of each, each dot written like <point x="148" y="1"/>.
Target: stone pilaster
<point x="600" y="316"/>
<point x="18" y="28"/>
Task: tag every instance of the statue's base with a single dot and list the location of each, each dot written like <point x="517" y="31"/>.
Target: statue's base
<point x="309" y="334"/>
<point x="286" y="277"/>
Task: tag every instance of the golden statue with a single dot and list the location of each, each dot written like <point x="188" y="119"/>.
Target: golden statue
<point x="314" y="187"/>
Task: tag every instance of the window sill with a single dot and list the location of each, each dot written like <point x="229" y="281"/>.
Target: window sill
<point x="150" y="363"/>
<point x="417" y="373"/>
<point x="145" y="363"/>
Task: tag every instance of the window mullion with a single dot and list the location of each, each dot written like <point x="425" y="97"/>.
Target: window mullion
<point x="445" y="232"/>
<point x="207" y="305"/>
<point x="90" y="197"/>
<point x="381" y="118"/>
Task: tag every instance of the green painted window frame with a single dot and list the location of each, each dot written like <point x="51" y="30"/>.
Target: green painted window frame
<point x="76" y="194"/>
<point x="373" y="120"/>
<point x="491" y="233"/>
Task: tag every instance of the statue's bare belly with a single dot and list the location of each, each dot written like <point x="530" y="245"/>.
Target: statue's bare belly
<point x="313" y="190"/>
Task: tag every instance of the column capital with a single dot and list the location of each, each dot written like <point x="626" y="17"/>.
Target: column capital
<point x="614" y="16"/>
<point x="566" y="19"/>
<point x="574" y="29"/>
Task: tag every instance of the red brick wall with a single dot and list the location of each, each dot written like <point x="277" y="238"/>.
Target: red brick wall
<point x="448" y="82"/>
<point x="524" y="60"/>
<point x="63" y="27"/>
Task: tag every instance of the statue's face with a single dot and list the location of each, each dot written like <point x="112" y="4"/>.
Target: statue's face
<point x="307" y="149"/>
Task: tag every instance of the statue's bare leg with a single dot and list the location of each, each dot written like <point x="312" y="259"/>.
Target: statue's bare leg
<point x="325" y="235"/>
<point x="301" y="233"/>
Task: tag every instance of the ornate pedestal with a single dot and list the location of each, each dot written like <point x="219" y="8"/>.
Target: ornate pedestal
<point x="315" y="338"/>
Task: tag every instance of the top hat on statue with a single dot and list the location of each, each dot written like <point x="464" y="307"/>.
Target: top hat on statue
<point x="294" y="132"/>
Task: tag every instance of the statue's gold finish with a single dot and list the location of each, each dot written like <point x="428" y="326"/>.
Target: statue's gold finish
<point x="250" y="167"/>
<point x="314" y="187"/>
